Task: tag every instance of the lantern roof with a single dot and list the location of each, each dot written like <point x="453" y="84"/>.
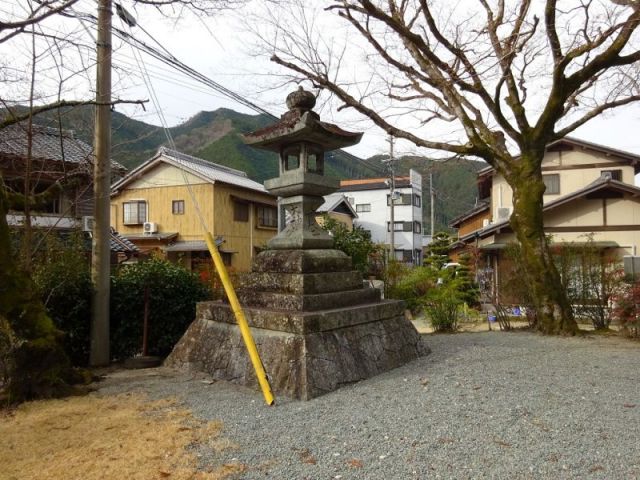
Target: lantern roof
<point x="301" y="124"/>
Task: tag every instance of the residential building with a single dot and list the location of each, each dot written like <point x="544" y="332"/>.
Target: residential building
<point x="590" y="191"/>
<point x="169" y="202"/>
<point x="57" y="169"/>
<point x="371" y="198"/>
<point x="338" y="207"/>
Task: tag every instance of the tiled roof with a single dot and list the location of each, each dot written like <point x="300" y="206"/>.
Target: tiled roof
<point x="372" y="184"/>
<point x="601" y="183"/>
<point x="211" y="171"/>
<point x="47" y="144"/>
<point x="632" y="158"/>
<point x="118" y="243"/>
<point x="332" y="201"/>
<point x="479" y="208"/>
<point x="204" y="169"/>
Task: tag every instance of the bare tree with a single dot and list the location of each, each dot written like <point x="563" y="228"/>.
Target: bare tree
<point x="38" y="365"/>
<point x="512" y="76"/>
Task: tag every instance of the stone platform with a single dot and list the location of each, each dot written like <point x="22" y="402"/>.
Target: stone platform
<point x="315" y="325"/>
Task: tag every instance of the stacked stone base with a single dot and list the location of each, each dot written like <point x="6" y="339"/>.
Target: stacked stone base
<point x="315" y="326"/>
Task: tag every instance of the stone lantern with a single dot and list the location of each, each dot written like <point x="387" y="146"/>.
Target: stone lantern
<point x="301" y="140"/>
<point x="316" y="324"/>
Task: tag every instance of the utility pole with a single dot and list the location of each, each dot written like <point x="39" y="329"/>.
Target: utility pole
<point x="100" y="249"/>
<point x="392" y="187"/>
<point x="432" y="201"/>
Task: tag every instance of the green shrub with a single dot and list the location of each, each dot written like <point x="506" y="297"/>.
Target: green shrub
<point x="63" y="279"/>
<point x="173" y="293"/>
<point x="442" y="306"/>
<point x="355" y="242"/>
<point x="413" y="285"/>
<point x="627" y="309"/>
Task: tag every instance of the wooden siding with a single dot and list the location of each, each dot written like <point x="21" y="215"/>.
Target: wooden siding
<point x="474" y="223"/>
<point x="345" y="219"/>
<point x="242" y="238"/>
<point x="216" y="204"/>
<point x="159" y="210"/>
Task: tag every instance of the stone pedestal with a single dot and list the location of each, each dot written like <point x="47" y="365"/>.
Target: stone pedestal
<point x="315" y="325"/>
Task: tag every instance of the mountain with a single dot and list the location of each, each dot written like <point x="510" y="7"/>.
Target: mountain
<point x="454" y="184"/>
<point x="216" y="136"/>
<point x="213" y="136"/>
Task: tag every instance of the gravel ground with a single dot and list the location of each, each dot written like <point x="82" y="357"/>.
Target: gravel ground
<point x="482" y="405"/>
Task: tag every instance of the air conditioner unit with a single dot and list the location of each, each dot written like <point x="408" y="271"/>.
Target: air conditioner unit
<point x="149" y="227"/>
<point x="87" y="223"/>
<point x="503" y="213"/>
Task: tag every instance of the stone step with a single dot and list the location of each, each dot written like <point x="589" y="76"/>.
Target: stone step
<point x="302" y="283"/>
<point x="320" y="301"/>
<point x="303" y="323"/>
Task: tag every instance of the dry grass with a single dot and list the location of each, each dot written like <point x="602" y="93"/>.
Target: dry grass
<point x="91" y="437"/>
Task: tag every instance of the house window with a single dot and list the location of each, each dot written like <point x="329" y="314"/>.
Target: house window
<point x="267" y="217"/>
<point x="397" y="226"/>
<point x="226" y="258"/>
<point x="177" y="207"/>
<point x="240" y="211"/>
<point x="407" y="256"/>
<point x="400" y="199"/>
<point x="612" y="174"/>
<point x="417" y="227"/>
<point x="363" y="207"/>
<point x="417" y="201"/>
<point x="552" y="184"/>
<point x="135" y="213"/>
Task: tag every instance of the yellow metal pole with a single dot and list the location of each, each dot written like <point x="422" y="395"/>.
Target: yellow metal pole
<point x="240" y="318"/>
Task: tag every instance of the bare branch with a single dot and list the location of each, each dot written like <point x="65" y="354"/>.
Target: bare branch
<point x="594" y="113"/>
<point x="14" y="118"/>
<point x="377" y="119"/>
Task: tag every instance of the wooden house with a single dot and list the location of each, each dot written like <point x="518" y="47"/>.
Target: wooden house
<point x="590" y="193"/>
<point x="55" y="167"/>
<point x="169" y="202"/>
<point x="338" y="207"/>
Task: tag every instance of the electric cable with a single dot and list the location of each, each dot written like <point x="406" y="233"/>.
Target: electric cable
<point x="164" y="56"/>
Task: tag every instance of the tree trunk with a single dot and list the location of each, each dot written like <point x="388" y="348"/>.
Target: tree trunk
<point x="554" y="313"/>
<point x="40" y="367"/>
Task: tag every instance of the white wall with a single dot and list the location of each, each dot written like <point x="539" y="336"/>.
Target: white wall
<point x="376" y="220"/>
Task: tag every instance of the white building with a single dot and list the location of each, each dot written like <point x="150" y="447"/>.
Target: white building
<point x="371" y="200"/>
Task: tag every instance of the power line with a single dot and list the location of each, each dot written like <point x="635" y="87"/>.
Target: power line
<point x="164" y="56"/>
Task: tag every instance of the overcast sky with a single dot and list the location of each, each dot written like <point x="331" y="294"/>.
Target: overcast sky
<point x="219" y="48"/>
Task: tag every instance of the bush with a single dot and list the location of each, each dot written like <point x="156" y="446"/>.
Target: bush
<point x="627" y="310"/>
<point x="63" y="279"/>
<point x="355" y="242"/>
<point x="413" y="285"/>
<point x="173" y="293"/>
<point x="592" y="278"/>
<point x="443" y="307"/>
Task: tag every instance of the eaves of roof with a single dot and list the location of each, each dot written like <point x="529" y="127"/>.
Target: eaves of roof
<point x="332" y="201"/>
<point x="207" y="171"/>
<point x="632" y="158"/>
<point x="599" y="184"/>
<point x="381" y="185"/>
<point x="481" y="207"/>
